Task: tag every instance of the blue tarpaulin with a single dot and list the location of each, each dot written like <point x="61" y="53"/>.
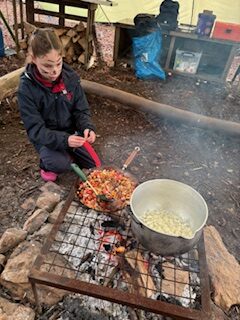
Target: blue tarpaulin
<point x="147" y="52"/>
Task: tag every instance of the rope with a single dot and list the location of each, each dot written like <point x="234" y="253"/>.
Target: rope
<point x="192" y="12"/>
<point x="106" y="15"/>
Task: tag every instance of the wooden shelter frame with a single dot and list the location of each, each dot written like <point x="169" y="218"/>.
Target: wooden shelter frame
<point x="32" y="10"/>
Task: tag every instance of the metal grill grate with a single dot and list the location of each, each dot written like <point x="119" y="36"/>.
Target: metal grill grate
<point x="91" y="246"/>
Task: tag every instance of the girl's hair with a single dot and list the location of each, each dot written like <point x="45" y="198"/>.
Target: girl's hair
<point x="43" y="41"/>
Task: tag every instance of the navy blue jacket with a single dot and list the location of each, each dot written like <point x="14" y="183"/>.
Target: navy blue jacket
<point x="50" y="118"/>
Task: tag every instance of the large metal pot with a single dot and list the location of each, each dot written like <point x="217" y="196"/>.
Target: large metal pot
<point x="172" y="196"/>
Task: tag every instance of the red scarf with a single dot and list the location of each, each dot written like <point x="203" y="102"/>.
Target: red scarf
<point x="56" y="86"/>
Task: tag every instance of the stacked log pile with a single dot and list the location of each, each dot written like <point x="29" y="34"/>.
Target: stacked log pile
<point x="73" y="40"/>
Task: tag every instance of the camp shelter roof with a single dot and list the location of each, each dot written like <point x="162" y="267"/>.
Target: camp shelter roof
<point x="225" y="10"/>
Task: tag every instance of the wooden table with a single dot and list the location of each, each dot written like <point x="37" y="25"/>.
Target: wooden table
<point x="89" y="5"/>
<point x="217" y="55"/>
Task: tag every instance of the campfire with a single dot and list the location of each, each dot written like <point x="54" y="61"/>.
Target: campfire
<point x="103" y="260"/>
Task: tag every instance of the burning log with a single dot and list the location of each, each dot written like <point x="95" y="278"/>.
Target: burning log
<point x="109" y="279"/>
<point x="136" y="273"/>
<point x="175" y="280"/>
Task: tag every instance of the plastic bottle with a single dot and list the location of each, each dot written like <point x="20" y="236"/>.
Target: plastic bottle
<point x="205" y="23"/>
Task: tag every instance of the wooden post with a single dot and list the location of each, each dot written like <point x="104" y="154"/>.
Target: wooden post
<point x="170" y="51"/>
<point x="116" y="44"/>
<point x="30" y="11"/>
<point x="21" y="18"/>
<point x="229" y="62"/>
<point x="62" y="12"/>
<point x="89" y="32"/>
<point x="15" y="24"/>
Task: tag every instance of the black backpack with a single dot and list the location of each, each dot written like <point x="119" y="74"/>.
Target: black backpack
<point x="145" y="23"/>
<point x="167" y="17"/>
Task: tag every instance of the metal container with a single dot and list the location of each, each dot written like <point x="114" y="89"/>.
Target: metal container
<point x="172" y="196"/>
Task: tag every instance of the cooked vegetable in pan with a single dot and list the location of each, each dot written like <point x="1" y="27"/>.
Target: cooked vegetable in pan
<point x="110" y="182"/>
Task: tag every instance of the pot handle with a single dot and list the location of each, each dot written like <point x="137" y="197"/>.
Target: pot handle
<point x="135" y="220"/>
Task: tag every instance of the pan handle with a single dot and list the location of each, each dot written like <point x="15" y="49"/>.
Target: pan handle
<point x="79" y="172"/>
<point x="130" y="158"/>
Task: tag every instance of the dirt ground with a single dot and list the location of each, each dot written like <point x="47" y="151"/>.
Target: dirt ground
<point x="207" y="161"/>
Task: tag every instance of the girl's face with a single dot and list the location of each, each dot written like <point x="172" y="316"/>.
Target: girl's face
<point x="50" y="65"/>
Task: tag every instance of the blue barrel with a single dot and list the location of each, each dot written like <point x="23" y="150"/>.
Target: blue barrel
<point x="2" y="52"/>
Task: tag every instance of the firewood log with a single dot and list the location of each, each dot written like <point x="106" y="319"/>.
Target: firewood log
<point x="79" y="27"/>
<point x="71" y="33"/>
<point x="9" y="83"/>
<point x="139" y="271"/>
<point x="81" y="58"/>
<point x="66" y="40"/>
<point x="69" y="54"/>
<point x="73" y="41"/>
<point x="29" y="28"/>
<point x="76" y="38"/>
<point x="23" y="44"/>
<point x="77" y="49"/>
<point x="60" y="31"/>
<point x="83" y="43"/>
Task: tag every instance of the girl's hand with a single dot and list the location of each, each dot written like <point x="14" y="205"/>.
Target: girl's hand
<point x="76" y="141"/>
<point x="89" y="135"/>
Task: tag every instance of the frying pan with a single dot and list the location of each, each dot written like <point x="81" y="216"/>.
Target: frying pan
<point x="117" y="204"/>
<point x="83" y="177"/>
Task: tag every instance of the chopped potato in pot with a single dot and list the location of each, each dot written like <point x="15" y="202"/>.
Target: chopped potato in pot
<point x="167" y="222"/>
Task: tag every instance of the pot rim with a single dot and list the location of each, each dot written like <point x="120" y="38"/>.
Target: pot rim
<point x="179" y="183"/>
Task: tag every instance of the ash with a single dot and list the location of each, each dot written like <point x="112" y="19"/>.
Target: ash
<point x="79" y="307"/>
<point x="86" y="239"/>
